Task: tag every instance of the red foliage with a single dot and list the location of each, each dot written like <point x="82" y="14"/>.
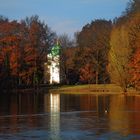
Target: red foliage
<point x="135" y="68"/>
<point x="29" y="66"/>
<point x="10" y="49"/>
<point x="87" y="74"/>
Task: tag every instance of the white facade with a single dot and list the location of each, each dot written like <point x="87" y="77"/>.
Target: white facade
<point x="52" y="70"/>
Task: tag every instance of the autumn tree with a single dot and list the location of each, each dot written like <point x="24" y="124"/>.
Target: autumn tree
<point x="10" y="48"/>
<point x="93" y="47"/>
<point x="23" y="48"/>
<point x="68" y="74"/>
<point x="87" y="74"/>
<point x="124" y="43"/>
<point x="37" y="44"/>
<point x="134" y="39"/>
<point x="119" y="56"/>
<point x="135" y="69"/>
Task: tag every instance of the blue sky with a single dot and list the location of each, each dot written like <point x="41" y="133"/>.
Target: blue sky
<point x="63" y="16"/>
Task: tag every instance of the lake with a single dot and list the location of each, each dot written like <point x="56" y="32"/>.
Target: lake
<point x="54" y="116"/>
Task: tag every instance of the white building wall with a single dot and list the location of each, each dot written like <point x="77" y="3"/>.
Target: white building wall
<point x="53" y="68"/>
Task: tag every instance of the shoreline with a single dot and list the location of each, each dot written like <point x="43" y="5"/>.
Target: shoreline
<point x="97" y="89"/>
<point x="93" y="89"/>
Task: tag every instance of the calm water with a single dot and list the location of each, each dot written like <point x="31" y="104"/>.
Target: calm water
<point x="69" y="117"/>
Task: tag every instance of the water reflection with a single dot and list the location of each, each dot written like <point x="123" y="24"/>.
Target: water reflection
<point x="119" y="119"/>
<point x="17" y="112"/>
<point x="133" y="107"/>
<point x="65" y="116"/>
<point x="52" y="105"/>
<point x="87" y="102"/>
<point x="90" y="113"/>
<point x="124" y="114"/>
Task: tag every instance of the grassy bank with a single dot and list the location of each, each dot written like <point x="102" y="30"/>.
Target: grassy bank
<point x="78" y="89"/>
<point x="92" y="89"/>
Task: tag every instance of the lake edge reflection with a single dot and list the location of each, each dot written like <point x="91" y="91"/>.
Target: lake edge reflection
<point x="61" y="114"/>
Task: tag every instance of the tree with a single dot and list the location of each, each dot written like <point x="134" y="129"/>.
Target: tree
<point x="134" y="39"/>
<point x="119" y="56"/>
<point x="23" y="48"/>
<point x="135" y="69"/>
<point x="66" y="59"/>
<point x="124" y="43"/>
<point x="36" y="44"/>
<point x="87" y="74"/>
<point x="93" y="46"/>
<point x="10" y="63"/>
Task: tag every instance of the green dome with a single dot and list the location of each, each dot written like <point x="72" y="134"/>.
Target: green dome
<point x="55" y="50"/>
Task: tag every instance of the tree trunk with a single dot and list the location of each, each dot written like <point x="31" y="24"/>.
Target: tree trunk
<point x="97" y="76"/>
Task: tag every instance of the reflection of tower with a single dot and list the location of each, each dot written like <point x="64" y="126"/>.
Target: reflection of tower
<point x="52" y="105"/>
<point x="52" y="68"/>
<point x="55" y="115"/>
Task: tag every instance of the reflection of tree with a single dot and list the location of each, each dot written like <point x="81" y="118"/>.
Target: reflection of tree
<point x="97" y="103"/>
<point x="133" y="103"/>
<point x="87" y="102"/>
<point x="18" y="106"/>
<point x="14" y="112"/>
<point x="119" y="120"/>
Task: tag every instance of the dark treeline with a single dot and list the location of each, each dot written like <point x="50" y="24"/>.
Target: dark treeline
<point x="102" y="52"/>
<point x="87" y="62"/>
<point x="23" y="47"/>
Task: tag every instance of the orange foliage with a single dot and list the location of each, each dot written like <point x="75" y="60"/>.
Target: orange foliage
<point x="87" y="74"/>
<point x="10" y="47"/>
<point x="30" y="56"/>
<point x="14" y="61"/>
<point x="135" y="68"/>
<point x="22" y="47"/>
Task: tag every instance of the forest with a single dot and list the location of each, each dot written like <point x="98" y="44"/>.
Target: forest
<point x="103" y="52"/>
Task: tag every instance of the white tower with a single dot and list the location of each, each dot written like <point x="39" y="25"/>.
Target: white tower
<point x="52" y="67"/>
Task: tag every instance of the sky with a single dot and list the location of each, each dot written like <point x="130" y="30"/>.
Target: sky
<point x="63" y="16"/>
